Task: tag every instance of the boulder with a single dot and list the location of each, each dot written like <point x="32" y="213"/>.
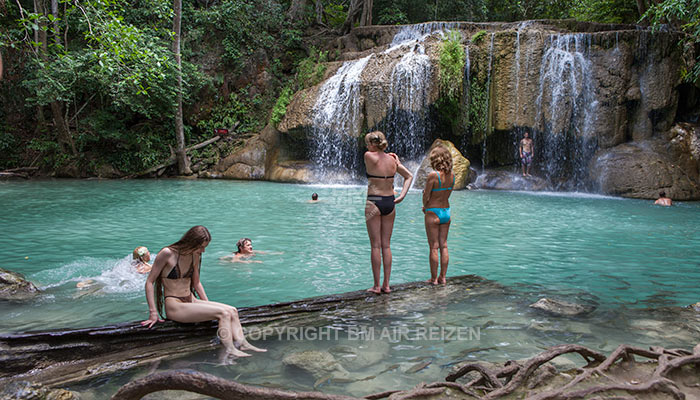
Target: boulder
<point x="505" y="180"/>
<point x="561" y="308"/>
<point x="460" y="166"/>
<point x="316" y="363"/>
<point x="246" y="163"/>
<point x="366" y="354"/>
<point x="642" y="169"/>
<point x="23" y="390"/>
<point x="13" y="286"/>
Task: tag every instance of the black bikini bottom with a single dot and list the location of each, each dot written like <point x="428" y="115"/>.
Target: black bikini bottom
<point x="385" y="204"/>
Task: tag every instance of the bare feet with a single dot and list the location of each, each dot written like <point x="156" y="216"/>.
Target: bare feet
<point x="386" y="289"/>
<point x="441" y="281"/>
<point x="236" y="353"/>
<point x="375" y="290"/>
<point x="432" y="281"/>
<point x="249" y="347"/>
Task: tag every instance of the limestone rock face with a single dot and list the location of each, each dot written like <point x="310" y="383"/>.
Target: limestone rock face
<point x="504" y="180"/>
<point x="316" y="363"/>
<point x="23" y="390"/>
<point x="460" y="167"/>
<point x="13" y="286"/>
<point x="641" y="170"/>
<point x="562" y="308"/>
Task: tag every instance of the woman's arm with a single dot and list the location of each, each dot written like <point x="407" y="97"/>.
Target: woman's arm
<point x="407" y="180"/>
<point x="428" y="189"/>
<point x="158" y="265"/>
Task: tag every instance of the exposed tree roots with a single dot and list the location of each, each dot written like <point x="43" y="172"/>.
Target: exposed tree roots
<point x="492" y="384"/>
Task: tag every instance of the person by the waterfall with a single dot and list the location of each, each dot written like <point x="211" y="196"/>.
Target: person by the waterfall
<point x="436" y="207"/>
<point x="175" y="275"/>
<point x="663" y="200"/>
<point x="526" y="149"/>
<point x="379" y="208"/>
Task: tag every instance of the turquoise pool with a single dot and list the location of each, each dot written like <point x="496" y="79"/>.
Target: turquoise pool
<point x="609" y="251"/>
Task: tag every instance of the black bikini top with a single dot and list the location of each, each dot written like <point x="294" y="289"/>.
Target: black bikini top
<point x="175" y="272"/>
<point x="380" y="177"/>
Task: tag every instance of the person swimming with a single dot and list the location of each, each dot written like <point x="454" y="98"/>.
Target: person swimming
<point x="244" y="253"/>
<point x="173" y="289"/>
<point x="141" y="258"/>
<point x="436" y="207"/>
<point x="379" y="208"/>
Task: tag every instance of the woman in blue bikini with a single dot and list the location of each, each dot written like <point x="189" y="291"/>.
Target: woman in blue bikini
<point x="379" y="210"/>
<point x="436" y="207"/>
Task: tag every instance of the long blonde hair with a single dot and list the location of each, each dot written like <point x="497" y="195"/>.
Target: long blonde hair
<point x="378" y="139"/>
<point x="441" y="159"/>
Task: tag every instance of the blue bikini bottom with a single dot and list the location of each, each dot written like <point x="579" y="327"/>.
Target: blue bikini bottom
<point x="442" y="213"/>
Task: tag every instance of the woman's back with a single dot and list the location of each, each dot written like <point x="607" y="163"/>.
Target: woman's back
<point x="441" y="185"/>
<point x="381" y="168"/>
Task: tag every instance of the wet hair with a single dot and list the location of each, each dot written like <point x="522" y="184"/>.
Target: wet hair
<point x="136" y="253"/>
<point x="441" y="159"/>
<point x="314" y="196"/>
<point x="194" y="238"/>
<point x="241" y="243"/>
<point x="378" y="139"/>
<point x="662" y="194"/>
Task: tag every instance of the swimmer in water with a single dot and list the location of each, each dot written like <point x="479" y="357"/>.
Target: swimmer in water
<point x="245" y="252"/>
<point x="141" y="259"/>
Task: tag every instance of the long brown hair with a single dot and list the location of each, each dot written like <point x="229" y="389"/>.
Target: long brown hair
<point x="441" y="159"/>
<point x="193" y="239"/>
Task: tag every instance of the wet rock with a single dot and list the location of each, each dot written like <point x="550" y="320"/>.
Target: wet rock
<point x="695" y="307"/>
<point x="13" y="286"/>
<point x="367" y="353"/>
<point x="460" y="166"/>
<point x="108" y="171"/>
<point x="561" y="308"/>
<point x="316" y="363"/>
<point x="641" y="170"/>
<point x="504" y="180"/>
<point x="246" y="163"/>
<point x="23" y="390"/>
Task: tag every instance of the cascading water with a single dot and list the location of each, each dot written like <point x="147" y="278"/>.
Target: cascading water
<point x="419" y="32"/>
<point x="565" y="108"/>
<point x="337" y="123"/>
<point x="488" y="105"/>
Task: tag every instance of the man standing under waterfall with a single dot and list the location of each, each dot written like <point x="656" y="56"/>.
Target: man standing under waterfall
<point x="526" y="149"/>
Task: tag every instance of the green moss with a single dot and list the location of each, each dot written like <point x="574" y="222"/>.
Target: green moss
<point x="476" y="38"/>
<point x="451" y="62"/>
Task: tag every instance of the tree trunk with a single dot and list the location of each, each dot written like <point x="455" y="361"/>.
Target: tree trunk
<point x="65" y="139"/>
<point x="366" y="19"/>
<point x="354" y="11"/>
<point x="56" y="28"/>
<point x="319" y="16"/>
<point x="296" y="10"/>
<point x="183" y="162"/>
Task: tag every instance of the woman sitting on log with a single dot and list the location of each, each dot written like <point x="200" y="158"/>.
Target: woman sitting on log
<point x="175" y="274"/>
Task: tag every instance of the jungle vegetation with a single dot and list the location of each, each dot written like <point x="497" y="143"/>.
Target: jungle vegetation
<point x="91" y="84"/>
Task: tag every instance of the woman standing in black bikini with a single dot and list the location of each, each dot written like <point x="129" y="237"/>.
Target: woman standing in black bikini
<point x="175" y="274"/>
<point x="379" y="210"/>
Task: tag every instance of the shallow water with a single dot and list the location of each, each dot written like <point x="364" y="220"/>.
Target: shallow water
<point x="625" y="257"/>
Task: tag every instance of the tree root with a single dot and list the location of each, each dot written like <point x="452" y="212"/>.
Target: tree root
<point x="493" y="384"/>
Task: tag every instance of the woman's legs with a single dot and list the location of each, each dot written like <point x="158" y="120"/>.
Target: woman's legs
<point x="432" y="231"/>
<point x="374" y="226"/>
<point x="239" y="338"/>
<point x="387" y="227"/>
<point x="444" y="254"/>
<point x="199" y="311"/>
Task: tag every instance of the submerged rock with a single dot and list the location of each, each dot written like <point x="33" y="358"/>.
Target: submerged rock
<point x="562" y="308"/>
<point x="13" y="286"/>
<point x="460" y="166"/>
<point x="316" y="363"/>
<point x="23" y="390"/>
<point x="504" y="180"/>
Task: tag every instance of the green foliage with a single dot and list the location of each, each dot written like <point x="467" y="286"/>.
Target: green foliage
<point x="478" y="108"/>
<point x="280" y="108"/>
<point x="685" y="16"/>
<point x="393" y="15"/>
<point x="8" y="148"/>
<point x="606" y="11"/>
<point x="226" y="112"/>
<point x="335" y="14"/>
<point x="477" y="37"/>
<point x="451" y="61"/>
<point x="311" y="69"/>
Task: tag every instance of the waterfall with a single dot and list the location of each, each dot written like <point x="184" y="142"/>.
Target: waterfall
<point x="565" y="108"/>
<point x="466" y="99"/>
<point x="487" y="128"/>
<point x="419" y="32"/>
<point x="337" y="123"/>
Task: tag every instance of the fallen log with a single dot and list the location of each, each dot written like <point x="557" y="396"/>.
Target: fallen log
<point x="59" y="357"/>
<point x="172" y="160"/>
